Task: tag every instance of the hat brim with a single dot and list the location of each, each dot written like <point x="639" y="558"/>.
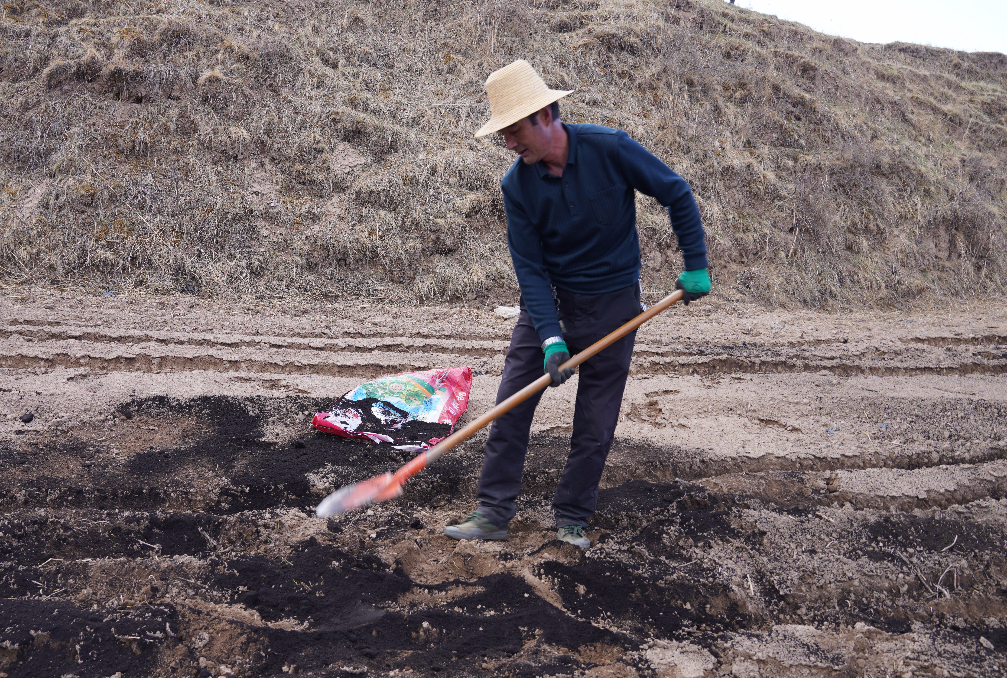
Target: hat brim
<point x="515" y="113"/>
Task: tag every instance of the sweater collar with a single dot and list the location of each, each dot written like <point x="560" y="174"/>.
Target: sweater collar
<point x="571" y="156"/>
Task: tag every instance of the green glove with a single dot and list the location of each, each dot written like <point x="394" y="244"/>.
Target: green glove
<point x="556" y="354"/>
<point x="694" y="284"/>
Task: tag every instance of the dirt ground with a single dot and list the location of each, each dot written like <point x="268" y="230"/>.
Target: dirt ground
<point x="789" y="494"/>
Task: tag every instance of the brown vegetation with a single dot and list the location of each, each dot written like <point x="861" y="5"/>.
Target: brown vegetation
<point x="325" y="147"/>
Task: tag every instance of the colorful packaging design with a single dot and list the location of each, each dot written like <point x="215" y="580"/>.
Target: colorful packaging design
<point x="413" y="410"/>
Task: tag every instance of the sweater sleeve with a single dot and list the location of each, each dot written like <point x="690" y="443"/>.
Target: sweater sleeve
<point x="532" y="277"/>
<point x="647" y="174"/>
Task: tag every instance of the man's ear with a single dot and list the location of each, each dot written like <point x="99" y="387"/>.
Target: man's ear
<point x="545" y="115"/>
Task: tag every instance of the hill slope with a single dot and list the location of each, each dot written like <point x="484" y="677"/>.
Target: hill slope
<point x="325" y="147"/>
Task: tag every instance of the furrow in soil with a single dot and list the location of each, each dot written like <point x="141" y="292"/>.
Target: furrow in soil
<point x="788" y="493"/>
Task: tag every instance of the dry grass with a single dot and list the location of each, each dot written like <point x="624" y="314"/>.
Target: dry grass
<point x="325" y="147"/>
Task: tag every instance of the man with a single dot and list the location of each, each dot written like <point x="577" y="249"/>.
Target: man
<point x="571" y="229"/>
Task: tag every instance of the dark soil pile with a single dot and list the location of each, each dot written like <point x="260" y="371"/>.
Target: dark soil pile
<point x="789" y="494"/>
<point x="165" y="562"/>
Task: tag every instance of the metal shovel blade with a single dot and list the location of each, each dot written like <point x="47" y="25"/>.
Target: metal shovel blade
<point x="356" y="496"/>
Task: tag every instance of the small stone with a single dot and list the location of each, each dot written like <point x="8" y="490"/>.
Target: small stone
<point x="985" y="643"/>
<point x="507" y="311"/>
<point x="27" y="418"/>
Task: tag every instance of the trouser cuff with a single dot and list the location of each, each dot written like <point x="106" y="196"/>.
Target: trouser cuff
<point x="494" y="516"/>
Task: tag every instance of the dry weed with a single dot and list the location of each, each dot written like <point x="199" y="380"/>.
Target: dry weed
<point x="325" y="148"/>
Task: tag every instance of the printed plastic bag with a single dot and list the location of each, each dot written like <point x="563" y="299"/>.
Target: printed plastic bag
<point x="413" y="410"/>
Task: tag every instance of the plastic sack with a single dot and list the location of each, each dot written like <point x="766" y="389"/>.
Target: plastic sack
<point x="413" y="410"/>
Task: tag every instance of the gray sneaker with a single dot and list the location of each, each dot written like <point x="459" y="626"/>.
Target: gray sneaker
<point x="574" y="534"/>
<point x="476" y="526"/>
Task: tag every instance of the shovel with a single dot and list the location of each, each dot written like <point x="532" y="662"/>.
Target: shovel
<point x="389" y="485"/>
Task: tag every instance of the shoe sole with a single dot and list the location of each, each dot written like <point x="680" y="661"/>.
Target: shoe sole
<point x="455" y="533"/>
<point x="585" y="544"/>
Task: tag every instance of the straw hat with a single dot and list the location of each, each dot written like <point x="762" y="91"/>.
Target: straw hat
<point x="516" y="91"/>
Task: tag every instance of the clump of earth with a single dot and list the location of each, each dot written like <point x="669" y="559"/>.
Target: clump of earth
<point x="790" y="494"/>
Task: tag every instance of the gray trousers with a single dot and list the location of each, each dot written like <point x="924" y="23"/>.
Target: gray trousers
<point x="586" y="318"/>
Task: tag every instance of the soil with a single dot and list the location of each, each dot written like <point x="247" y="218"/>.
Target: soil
<point x="790" y="494"/>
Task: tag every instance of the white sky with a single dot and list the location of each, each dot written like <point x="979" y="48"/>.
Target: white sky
<point x="967" y="25"/>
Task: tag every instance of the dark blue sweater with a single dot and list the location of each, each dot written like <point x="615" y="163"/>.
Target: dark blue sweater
<point x="578" y="231"/>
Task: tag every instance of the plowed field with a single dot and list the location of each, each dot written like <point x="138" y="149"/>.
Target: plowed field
<point x="789" y="494"/>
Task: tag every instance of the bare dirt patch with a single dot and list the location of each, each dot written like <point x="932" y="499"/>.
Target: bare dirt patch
<point x="790" y="493"/>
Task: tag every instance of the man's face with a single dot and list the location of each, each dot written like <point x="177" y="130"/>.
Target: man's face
<point x="530" y="142"/>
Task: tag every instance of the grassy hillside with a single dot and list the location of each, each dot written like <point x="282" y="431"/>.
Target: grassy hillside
<point x="325" y="147"/>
